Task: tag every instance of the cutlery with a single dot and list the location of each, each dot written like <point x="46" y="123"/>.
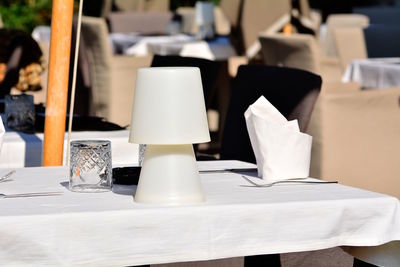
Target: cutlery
<point x="7" y="175"/>
<point x="229" y="170"/>
<point x="294" y="180"/>
<point x="40" y="194"/>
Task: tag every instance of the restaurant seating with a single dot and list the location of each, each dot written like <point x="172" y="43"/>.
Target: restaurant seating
<point x="139" y="22"/>
<point x="366" y="42"/>
<point x="23" y="64"/>
<point x="209" y="71"/>
<point x="293" y="92"/>
<point x="341" y="21"/>
<point x="299" y="51"/>
<point x="382" y="40"/>
<point x="295" y="51"/>
<point x="380" y="14"/>
<point x="112" y="76"/>
<point x="347" y="53"/>
<point x="262" y="16"/>
<point x="142" y="5"/>
<point x="355" y="138"/>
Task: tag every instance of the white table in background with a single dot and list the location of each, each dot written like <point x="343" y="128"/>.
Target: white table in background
<point x="110" y="229"/>
<point x="180" y="44"/>
<point x="374" y="72"/>
<point x="25" y="150"/>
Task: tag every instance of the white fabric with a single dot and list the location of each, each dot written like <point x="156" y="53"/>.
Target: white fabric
<point x="374" y="73"/>
<point x="144" y="46"/>
<point x="110" y="229"/>
<point x="41" y="33"/>
<point x="183" y="45"/>
<point x="25" y="150"/>
<point x="281" y="150"/>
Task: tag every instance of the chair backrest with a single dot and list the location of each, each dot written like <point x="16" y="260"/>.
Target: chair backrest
<point x="347" y="53"/>
<point x="99" y="57"/>
<point x="142" y="5"/>
<point x="141" y="22"/>
<point x="293" y="92"/>
<point x="232" y="9"/>
<point x="209" y="71"/>
<point x="380" y="14"/>
<point x="356" y="139"/>
<point x="261" y="15"/>
<point x="339" y="21"/>
<point x="305" y="10"/>
<point x="382" y="40"/>
<point x="295" y="51"/>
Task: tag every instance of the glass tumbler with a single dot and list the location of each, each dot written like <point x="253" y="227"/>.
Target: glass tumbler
<point x="90" y="166"/>
<point x="20" y="113"/>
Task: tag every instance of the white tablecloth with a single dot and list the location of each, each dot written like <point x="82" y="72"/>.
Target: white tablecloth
<point x="181" y="44"/>
<point x="110" y="229"/>
<point x="374" y="73"/>
<point x="25" y="150"/>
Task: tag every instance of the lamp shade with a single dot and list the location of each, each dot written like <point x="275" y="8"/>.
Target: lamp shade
<point x="169" y="107"/>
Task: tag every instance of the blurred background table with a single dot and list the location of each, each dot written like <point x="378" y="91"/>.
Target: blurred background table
<point x="25" y="150"/>
<point x="374" y="72"/>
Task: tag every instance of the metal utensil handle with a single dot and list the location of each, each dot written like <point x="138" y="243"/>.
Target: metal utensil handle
<point x="7" y="175"/>
<point x="295" y="180"/>
<point x="40" y="194"/>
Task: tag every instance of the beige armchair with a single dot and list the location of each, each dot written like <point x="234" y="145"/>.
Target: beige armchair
<point x="143" y="5"/>
<point x="299" y="51"/>
<point x="112" y="77"/>
<point x="350" y="45"/>
<point x="356" y="138"/>
<point x="138" y="21"/>
<point x="341" y="21"/>
<point x="258" y="16"/>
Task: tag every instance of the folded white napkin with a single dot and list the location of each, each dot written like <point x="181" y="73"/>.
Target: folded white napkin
<point x="281" y="150"/>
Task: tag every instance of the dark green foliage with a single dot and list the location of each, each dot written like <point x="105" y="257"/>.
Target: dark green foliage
<point x="25" y="14"/>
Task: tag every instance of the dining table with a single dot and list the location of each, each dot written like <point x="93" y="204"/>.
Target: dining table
<point x="25" y="150"/>
<point x="236" y="219"/>
<point x="218" y="48"/>
<point x="374" y="73"/>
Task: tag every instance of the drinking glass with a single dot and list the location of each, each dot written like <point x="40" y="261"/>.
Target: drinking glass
<point x="90" y="166"/>
<point x="142" y="150"/>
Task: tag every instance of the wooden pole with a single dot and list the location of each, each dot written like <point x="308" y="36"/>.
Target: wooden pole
<point x="57" y="87"/>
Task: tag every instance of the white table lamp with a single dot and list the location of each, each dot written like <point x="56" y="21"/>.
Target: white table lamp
<point x="169" y="115"/>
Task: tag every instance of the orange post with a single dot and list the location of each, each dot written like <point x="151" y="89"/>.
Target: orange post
<point x="57" y="87"/>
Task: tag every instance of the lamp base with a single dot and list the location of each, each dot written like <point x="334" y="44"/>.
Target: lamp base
<point x="169" y="176"/>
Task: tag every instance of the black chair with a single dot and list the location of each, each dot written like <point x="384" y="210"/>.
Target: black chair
<point x="380" y="14"/>
<point x="382" y="40"/>
<point x="17" y="50"/>
<point x="209" y="71"/>
<point x="292" y="91"/>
